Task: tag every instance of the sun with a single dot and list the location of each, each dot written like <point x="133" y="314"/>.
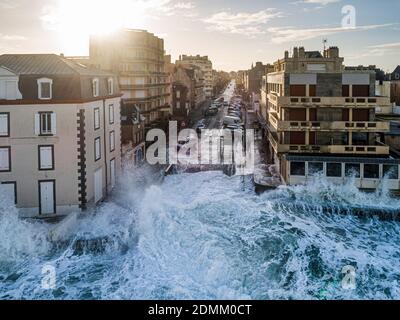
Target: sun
<point x="76" y="20"/>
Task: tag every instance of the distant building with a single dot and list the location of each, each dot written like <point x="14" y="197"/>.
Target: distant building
<point x="181" y="104"/>
<point x="59" y="134"/>
<point x="253" y="77"/>
<point x="321" y="120"/>
<point x="395" y="86"/>
<point x="137" y="57"/>
<point x="206" y="68"/>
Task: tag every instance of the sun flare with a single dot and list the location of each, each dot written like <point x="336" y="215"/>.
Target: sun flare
<point x="76" y="20"/>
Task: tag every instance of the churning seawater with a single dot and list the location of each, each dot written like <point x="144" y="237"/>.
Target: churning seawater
<point x="209" y="236"/>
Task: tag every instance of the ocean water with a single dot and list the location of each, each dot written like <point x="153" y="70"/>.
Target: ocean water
<point x="209" y="236"/>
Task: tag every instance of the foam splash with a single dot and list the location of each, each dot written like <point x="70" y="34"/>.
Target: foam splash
<point x="208" y="236"/>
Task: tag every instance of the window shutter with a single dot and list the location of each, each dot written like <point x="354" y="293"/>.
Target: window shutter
<point x="4" y="159"/>
<point x="46" y="157"/>
<point x="3" y="124"/>
<point x="53" y="123"/>
<point x="37" y="124"/>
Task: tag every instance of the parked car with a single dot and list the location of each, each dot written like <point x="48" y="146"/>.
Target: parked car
<point x="212" y="111"/>
<point x="200" y="126"/>
<point x="229" y="120"/>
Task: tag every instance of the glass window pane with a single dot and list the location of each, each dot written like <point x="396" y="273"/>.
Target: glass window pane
<point x="298" y="168"/>
<point x="334" y="169"/>
<point x="371" y="171"/>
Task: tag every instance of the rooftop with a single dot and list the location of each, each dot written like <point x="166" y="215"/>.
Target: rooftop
<point x="45" y="64"/>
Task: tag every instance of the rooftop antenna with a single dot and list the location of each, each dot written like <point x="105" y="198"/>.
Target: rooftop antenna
<point x="324" y="41"/>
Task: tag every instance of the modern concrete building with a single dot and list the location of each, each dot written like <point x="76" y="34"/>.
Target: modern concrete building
<point x="59" y="134"/>
<point x="137" y="57"/>
<point x="206" y="68"/>
<point x="321" y="120"/>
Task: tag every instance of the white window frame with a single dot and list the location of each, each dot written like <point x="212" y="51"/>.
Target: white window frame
<point x="96" y="87"/>
<point x="43" y="81"/>
<point x="112" y="141"/>
<point x="46" y="167"/>
<point x="111" y="114"/>
<point x="6" y="168"/>
<point x="4" y="124"/>
<point x="97" y="149"/>
<point x="110" y="83"/>
<point x="97" y="118"/>
<point x="39" y="124"/>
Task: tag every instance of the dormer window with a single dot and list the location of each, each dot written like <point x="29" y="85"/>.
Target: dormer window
<point x="110" y="86"/>
<point x="45" y="88"/>
<point x="95" y="87"/>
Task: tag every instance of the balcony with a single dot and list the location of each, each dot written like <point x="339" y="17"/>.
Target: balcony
<point x="369" y="102"/>
<point x="331" y="149"/>
<point x="345" y="126"/>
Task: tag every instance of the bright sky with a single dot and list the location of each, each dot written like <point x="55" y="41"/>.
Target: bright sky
<point x="233" y="33"/>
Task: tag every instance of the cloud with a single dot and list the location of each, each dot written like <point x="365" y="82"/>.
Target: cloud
<point x="241" y="23"/>
<point x="318" y="2"/>
<point x="291" y="34"/>
<point x="184" y="5"/>
<point x="381" y="50"/>
<point x="6" y="37"/>
<point x="8" y="4"/>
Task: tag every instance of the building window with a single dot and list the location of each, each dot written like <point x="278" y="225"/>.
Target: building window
<point x="360" y="90"/>
<point x="371" y="171"/>
<point x="112" y="141"/>
<point x="10" y="188"/>
<point x="110" y="86"/>
<point x="5" y="159"/>
<point x="96" y="118"/>
<point x="315" y="168"/>
<point x="345" y="90"/>
<point x="298" y="90"/>
<point x="4" y="124"/>
<point x="45" y="123"/>
<point x="97" y="149"/>
<point x="45" y="89"/>
<point x="178" y="105"/>
<point x="353" y="170"/>
<point x="111" y="113"/>
<point x="95" y="87"/>
<point x="391" y="172"/>
<point x="298" y="169"/>
<point x="178" y="94"/>
<point x="333" y="170"/>
<point x="46" y="157"/>
<point x="312" y="90"/>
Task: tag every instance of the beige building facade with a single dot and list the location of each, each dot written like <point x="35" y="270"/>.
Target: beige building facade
<point x="60" y="134"/>
<point x="322" y="120"/>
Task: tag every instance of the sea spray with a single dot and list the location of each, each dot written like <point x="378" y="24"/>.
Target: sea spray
<point x="205" y="236"/>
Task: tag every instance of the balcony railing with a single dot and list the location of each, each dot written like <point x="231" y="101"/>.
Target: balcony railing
<point x="330" y="101"/>
<point x="331" y="149"/>
<point x="361" y="126"/>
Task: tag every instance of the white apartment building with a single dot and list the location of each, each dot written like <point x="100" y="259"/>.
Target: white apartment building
<point x="59" y="134"/>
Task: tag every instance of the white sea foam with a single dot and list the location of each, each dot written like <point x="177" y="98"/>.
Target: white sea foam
<point x="208" y="236"/>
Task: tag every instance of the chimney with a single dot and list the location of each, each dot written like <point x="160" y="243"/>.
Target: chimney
<point x="333" y="52"/>
<point x="302" y="53"/>
<point x="295" y="53"/>
<point x="286" y="54"/>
